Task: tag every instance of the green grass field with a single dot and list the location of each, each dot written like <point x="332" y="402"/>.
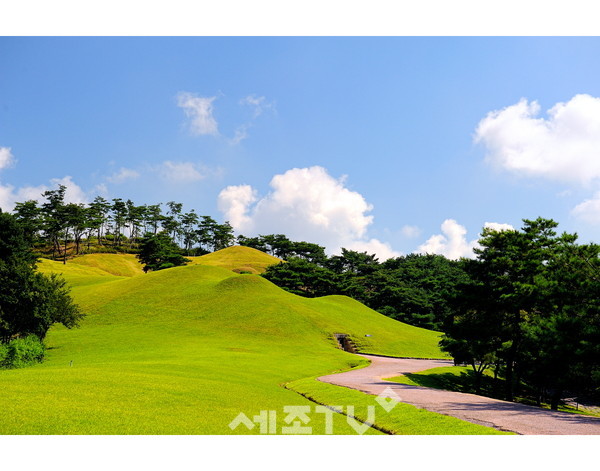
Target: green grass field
<point x="238" y="259"/>
<point x="185" y="350"/>
<point x="402" y="419"/>
<point x="451" y="378"/>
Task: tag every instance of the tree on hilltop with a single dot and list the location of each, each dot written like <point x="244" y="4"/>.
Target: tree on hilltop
<point x="158" y="252"/>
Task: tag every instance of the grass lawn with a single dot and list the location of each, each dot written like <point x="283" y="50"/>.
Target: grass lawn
<point x="451" y="378"/>
<point x="238" y="259"/>
<point x="186" y="350"/>
<point x="402" y="419"/>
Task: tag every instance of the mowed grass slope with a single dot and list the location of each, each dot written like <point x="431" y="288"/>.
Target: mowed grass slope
<point x="185" y="350"/>
<point x="238" y="259"/>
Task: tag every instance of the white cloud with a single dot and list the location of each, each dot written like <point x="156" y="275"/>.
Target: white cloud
<point x="564" y="193"/>
<point x="305" y="204"/>
<point x="588" y="210"/>
<point x="496" y="226"/>
<point x="200" y="111"/>
<point x="410" y="231"/>
<point x="452" y="243"/>
<point x="73" y="193"/>
<point x="259" y="104"/>
<point x="123" y="175"/>
<point x="9" y="195"/>
<point x="241" y="133"/>
<point x="6" y="158"/>
<point x="100" y="189"/>
<point x="383" y="250"/>
<point x="180" y="172"/>
<point x="234" y="201"/>
<point x="564" y="146"/>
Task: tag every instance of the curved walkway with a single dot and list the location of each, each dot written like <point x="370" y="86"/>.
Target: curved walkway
<point x="509" y="416"/>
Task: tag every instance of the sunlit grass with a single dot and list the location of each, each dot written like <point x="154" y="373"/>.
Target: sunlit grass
<point x="238" y="259"/>
<point x="398" y="419"/>
<point x="185" y="350"/>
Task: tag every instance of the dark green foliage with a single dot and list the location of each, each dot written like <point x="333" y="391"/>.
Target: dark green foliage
<point x="152" y="218"/>
<point x="21" y="352"/>
<point x="77" y="220"/>
<point x="223" y="236"/>
<point x="301" y="277"/>
<point x="419" y="288"/>
<point x="118" y="218"/>
<point x="212" y="235"/>
<point x="134" y="220"/>
<point x="54" y="219"/>
<point x="532" y="310"/>
<point x="59" y="229"/>
<point x="257" y="243"/>
<point x="14" y="245"/>
<point x="171" y="222"/>
<point x="158" y="252"/>
<point x="29" y="217"/>
<point x="280" y="246"/>
<point x="30" y="302"/>
<point x="352" y="262"/>
<point x="97" y="217"/>
<point x="33" y="302"/>
<point x="415" y="289"/>
<point x="188" y="223"/>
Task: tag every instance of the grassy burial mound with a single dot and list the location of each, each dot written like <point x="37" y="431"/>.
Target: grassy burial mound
<point x="185" y="350"/>
<point x="94" y="268"/>
<point x="238" y="259"/>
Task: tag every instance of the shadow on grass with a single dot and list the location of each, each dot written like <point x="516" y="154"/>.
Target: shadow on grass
<point x="463" y="382"/>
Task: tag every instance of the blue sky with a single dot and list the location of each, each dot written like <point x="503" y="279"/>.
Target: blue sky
<point x="377" y="144"/>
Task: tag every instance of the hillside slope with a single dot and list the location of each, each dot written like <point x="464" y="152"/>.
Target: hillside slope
<point x="185" y="350"/>
<point x="238" y="259"/>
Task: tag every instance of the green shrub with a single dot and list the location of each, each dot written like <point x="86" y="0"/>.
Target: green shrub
<point x="3" y="353"/>
<point x="22" y="352"/>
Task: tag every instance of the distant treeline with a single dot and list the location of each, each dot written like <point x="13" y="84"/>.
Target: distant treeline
<point x="415" y="289"/>
<point x="528" y="305"/>
<point x="60" y="227"/>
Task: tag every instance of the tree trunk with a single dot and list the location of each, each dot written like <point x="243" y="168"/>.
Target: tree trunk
<point x="65" y="247"/>
<point x="496" y="369"/>
<point x="509" y="380"/>
<point x="478" y="375"/>
<point x="555" y="399"/>
<point x="517" y="382"/>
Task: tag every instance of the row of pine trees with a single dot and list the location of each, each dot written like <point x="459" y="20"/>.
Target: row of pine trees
<point x="62" y="228"/>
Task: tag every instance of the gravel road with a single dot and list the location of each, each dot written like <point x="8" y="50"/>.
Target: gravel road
<point x="519" y="418"/>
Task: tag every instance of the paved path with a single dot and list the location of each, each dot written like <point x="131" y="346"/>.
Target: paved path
<point x="519" y="418"/>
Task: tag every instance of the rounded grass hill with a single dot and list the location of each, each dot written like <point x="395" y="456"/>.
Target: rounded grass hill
<point x="187" y="349"/>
